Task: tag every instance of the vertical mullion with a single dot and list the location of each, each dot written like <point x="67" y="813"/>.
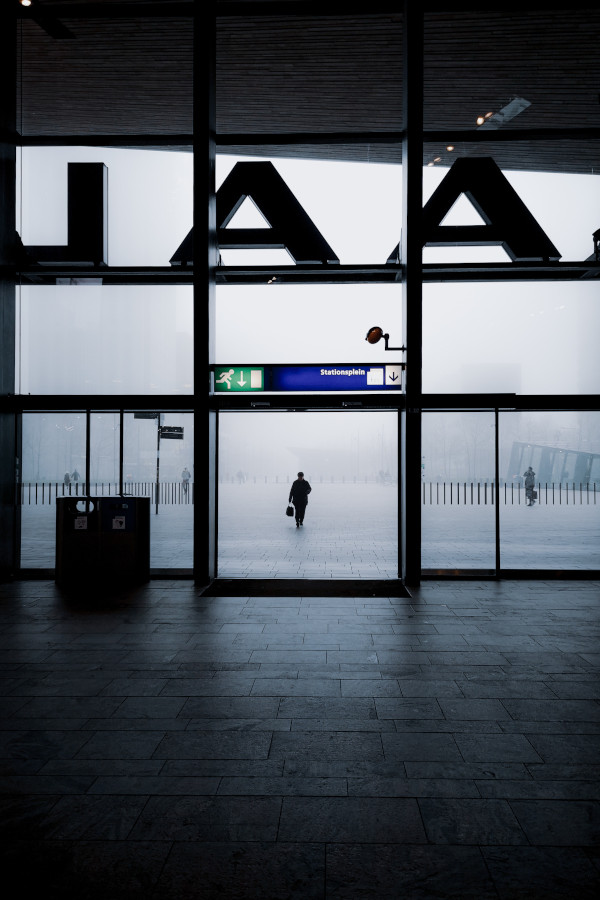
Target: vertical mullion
<point x="411" y="257"/>
<point x="497" y="478"/>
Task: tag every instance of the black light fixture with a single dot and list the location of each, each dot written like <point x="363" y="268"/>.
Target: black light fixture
<point x="375" y="334"/>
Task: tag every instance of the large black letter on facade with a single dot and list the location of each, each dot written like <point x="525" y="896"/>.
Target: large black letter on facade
<point x="290" y="227"/>
<point x="87" y="241"/>
<point x="509" y="222"/>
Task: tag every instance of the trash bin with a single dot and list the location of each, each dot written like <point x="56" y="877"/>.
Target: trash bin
<point x="102" y="539"/>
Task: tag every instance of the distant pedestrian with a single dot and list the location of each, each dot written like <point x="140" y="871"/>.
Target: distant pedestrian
<point x="185" y="479"/>
<point x="299" y="497"/>
<point x="529" y="477"/>
<point x="75" y="476"/>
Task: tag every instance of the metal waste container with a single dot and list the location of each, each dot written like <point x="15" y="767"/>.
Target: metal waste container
<point x="102" y="539"/>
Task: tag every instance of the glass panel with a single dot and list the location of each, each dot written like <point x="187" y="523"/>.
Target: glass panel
<point x="350" y="527"/>
<point x="517" y="337"/>
<point x="105" y="430"/>
<point x="559" y="529"/>
<point x="148" y="206"/>
<point x="53" y="464"/>
<point x="457" y="474"/>
<point x="160" y="468"/>
<point x="356" y="207"/>
<point x="519" y="65"/>
<point x="516" y="158"/>
<point x="105" y="339"/>
<point x="302" y="73"/>
<point x="102" y="75"/>
<point x="158" y="451"/>
<point x="319" y="324"/>
<point x="562" y="203"/>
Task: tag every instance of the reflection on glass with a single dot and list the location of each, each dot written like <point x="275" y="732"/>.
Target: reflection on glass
<point x="106" y="339"/>
<point x="158" y="451"/>
<point x="458" y="494"/>
<point x="560" y="528"/>
<point x="351" y="522"/>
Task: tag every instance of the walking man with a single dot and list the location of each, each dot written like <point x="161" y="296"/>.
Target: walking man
<point x="299" y="497"/>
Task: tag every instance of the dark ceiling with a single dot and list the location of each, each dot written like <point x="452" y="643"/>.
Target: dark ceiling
<point x="303" y="72"/>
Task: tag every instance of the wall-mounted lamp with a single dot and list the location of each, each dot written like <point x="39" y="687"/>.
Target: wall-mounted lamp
<point x="375" y="334"/>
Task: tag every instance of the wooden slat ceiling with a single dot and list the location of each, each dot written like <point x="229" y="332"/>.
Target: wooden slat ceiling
<point x="295" y="69"/>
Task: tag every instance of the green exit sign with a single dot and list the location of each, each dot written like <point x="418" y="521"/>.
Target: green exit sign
<point x="239" y="378"/>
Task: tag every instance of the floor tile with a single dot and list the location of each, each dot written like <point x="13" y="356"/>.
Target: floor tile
<point x="445" y="744"/>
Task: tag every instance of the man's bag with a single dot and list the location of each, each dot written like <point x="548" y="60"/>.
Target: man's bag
<point x="534" y="495"/>
<point x="289" y="511"/>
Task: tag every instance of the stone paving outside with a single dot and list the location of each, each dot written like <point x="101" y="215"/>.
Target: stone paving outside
<point x="350" y="533"/>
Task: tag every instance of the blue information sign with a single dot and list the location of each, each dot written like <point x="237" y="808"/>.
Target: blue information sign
<point x="339" y="377"/>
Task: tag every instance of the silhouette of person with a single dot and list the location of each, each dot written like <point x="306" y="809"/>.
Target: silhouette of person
<point x="299" y="497"/>
<point x="529" y="477"/>
<point x="185" y="478"/>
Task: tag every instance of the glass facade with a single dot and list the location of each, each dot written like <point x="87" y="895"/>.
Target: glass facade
<point x="516" y="338"/>
<point x="148" y="199"/>
<point x="119" y="342"/>
<point x="559" y="529"/>
<point x="458" y="491"/>
<point x="131" y="454"/>
<point x="350" y="459"/>
<point x="105" y="339"/>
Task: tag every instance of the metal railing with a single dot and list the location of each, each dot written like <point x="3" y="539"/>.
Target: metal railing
<point x="475" y="493"/>
<point x="434" y="493"/>
<point x="44" y="493"/>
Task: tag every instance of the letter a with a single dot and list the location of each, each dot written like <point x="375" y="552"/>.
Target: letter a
<point x="291" y="228"/>
<point x="509" y="222"/>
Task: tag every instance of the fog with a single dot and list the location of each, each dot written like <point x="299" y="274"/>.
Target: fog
<point x="346" y="446"/>
<point x="350" y="446"/>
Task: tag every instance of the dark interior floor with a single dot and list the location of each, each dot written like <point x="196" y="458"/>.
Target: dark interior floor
<point x="166" y="744"/>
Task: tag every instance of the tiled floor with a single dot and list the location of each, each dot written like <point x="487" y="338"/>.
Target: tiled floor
<point x="165" y="745"/>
